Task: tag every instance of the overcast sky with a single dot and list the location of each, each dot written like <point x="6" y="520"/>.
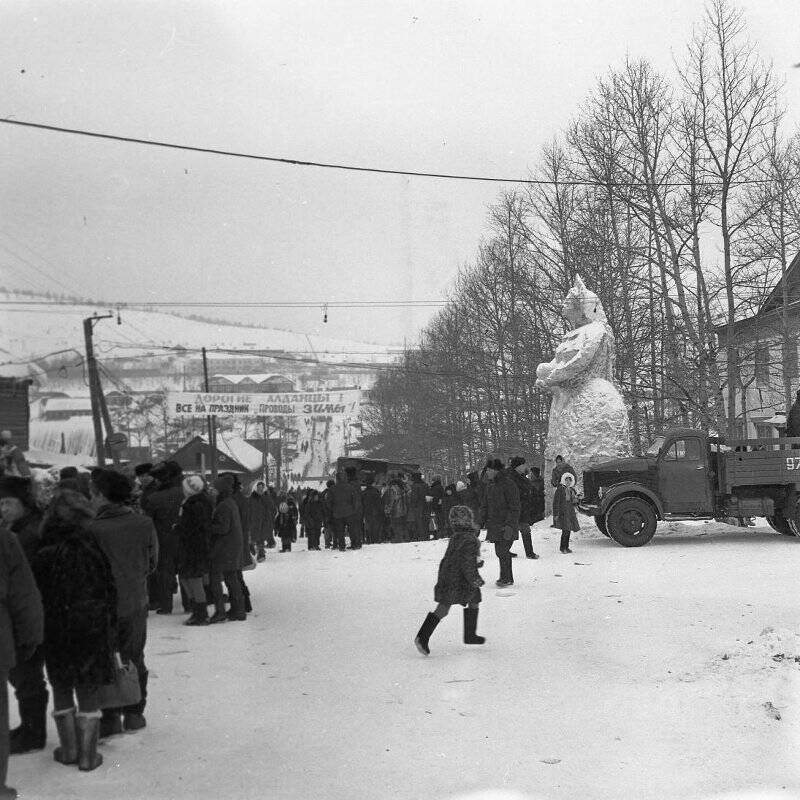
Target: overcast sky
<point x="460" y="87"/>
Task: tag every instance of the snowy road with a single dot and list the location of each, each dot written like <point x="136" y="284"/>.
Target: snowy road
<point x="603" y="677"/>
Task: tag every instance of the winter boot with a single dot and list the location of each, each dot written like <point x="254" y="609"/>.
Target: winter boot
<point x="67" y="752"/>
<point x="110" y="724"/>
<point x="424" y="633"/>
<point x="470" y="624"/>
<point x="219" y="615"/>
<point x="134" y="721"/>
<point x="32" y="733"/>
<point x="88" y="726"/>
<point x="199" y="615"/>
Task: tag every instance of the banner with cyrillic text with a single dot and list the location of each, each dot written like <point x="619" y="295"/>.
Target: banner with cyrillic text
<point x="334" y="403"/>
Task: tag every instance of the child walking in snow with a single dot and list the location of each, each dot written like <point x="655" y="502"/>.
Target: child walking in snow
<point x="458" y="582"/>
<point x="565" y="501"/>
<point x="286" y="523"/>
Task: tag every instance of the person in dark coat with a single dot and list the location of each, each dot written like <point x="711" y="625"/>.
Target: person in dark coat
<point x="518" y="472"/>
<point x="244" y="506"/>
<point x="435" y="518"/>
<point x="449" y="500"/>
<point x="21" y="629"/>
<point x="313" y="516"/>
<point x="162" y="506"/>
<point x="537" y="494"/>
<point x="194" y="543"/>
<point x="327" y="505"/>
<point x="567" y="519"/>
<point x="345" y="500"/>
<point x="473" y="494"/>
<point x="226" y="553"/>
<point x="500" y="516"/>
<point x="395" y="508"/>
<point x="20" y="515"/>
<point x="372" y="509"/>
<point x="458" y="581"/>
<point x="416" y="521"/>
<point x="793" y="418"/>
<point x="80" y="624"/>
<point x="559" y="469"/>
<point x="130" y="543"/>
<point x="286" y="523"/>
<point x="262" y="514"/>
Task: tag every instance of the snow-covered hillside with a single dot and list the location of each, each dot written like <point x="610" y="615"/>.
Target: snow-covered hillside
<point x="30" y="331"/>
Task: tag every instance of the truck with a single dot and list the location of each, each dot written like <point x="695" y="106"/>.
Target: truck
<point x="689" y="474"/>
<point x="379" y="470"/>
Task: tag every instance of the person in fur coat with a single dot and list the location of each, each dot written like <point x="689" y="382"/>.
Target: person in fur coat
<point x="286" y="523"/>
<point x="458" y="581"/>
<point x="566" y="500"/>
<point x="194" y="542"/>
<point x="80" y="624"/>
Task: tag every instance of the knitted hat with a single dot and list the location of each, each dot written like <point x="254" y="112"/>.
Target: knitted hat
<point x="193" y="484"/>
<point x="461" y="486"/>
<point x="21" y="488"/>
<point x="565" y="476"/>
<point x="461" y="517"/>
<point x="516" y="461"/>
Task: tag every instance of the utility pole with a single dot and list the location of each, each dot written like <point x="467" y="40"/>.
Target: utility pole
<point x="94" y="386"/>
<point x="212" y="424"/>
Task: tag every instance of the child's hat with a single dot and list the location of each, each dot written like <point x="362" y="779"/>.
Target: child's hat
<point x="461" y="517"/>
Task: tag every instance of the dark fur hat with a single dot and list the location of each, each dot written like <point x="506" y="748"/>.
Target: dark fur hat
<point x="494" y="463"/>
<point x="142" y="469"/>
<point x="21" y="488"/>
<point x="516" y="461"/>
<point x="114" y="486"/>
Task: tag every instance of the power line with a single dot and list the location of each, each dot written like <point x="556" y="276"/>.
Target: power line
<point x="375" y="170"/>
<point x="237" y="304"/>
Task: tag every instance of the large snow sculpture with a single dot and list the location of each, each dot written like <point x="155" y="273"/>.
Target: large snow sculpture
<point x="588" y="419"/>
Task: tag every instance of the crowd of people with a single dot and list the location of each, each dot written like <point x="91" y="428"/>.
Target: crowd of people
<point x="84" y="563"/>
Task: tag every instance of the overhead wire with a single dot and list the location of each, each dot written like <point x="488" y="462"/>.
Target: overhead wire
<point x="354" y="168"/>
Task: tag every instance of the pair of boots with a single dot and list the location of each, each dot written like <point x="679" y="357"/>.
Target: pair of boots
<point x="31" y="733"/>
<point x="199" y="614"/>
<point x="77" y="735"/>
<point x="431" y="621"/>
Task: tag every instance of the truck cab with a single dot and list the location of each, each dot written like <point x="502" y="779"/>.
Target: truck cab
<point x="687" y="474"/>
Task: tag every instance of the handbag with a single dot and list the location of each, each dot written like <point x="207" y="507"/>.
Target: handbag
<point x="124" y="691"/>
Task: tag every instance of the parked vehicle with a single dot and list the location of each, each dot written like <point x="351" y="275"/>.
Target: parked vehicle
<point x="378" y="469"/>
<point x="688" y="474"/>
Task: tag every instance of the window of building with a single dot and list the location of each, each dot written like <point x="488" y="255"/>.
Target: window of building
<point x="762" y="365"/>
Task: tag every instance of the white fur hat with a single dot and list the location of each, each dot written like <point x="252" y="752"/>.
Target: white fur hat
<point x="193" y="484"/>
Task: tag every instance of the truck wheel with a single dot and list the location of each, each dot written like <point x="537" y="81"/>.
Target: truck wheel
<point x="631" y="522"/>
<point x="782" y="525"/>
<point x="600" y="521"/>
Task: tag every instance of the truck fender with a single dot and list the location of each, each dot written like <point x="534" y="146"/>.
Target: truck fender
<point x="630" y="488"/>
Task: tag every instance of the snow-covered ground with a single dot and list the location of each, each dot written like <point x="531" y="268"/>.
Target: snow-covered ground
<point x="668" y="671"/>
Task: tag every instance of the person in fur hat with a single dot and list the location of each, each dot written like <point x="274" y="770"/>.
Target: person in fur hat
<point x="500" y="516"/>
<point x="458" y="581"/>
<point x="286" y="523"/>
<point x="194" y="533"/>
<point x="80" y="624"/>
<point x="566" y="519"/>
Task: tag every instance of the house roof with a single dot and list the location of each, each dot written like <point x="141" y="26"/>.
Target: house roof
<point x="254" y="378"/>
<point x="67" y="404"/>
<point x="251" y="458"/>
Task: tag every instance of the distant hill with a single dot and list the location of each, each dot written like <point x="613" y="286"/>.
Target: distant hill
<point x="30" y="330"/>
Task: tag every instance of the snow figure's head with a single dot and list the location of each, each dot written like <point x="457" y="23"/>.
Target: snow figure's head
<point x="582" y="305"/>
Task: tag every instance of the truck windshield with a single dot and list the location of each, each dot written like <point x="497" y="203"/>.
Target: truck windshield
<point x="655" y="447"/>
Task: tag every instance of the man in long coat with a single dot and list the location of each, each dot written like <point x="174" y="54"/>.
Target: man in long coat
<point x="500" y="516"/>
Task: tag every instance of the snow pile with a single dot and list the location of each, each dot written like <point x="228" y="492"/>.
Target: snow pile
<point x="772" y="646"/>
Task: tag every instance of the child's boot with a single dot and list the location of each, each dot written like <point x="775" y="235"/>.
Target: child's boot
<point x="67" y="751"/>
<point x="88" y="726"/>
<point x="424" y="633"/>
<point x="470" y="624"/>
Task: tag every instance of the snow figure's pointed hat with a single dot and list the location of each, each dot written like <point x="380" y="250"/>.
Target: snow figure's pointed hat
<point x="582" y="305"/>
